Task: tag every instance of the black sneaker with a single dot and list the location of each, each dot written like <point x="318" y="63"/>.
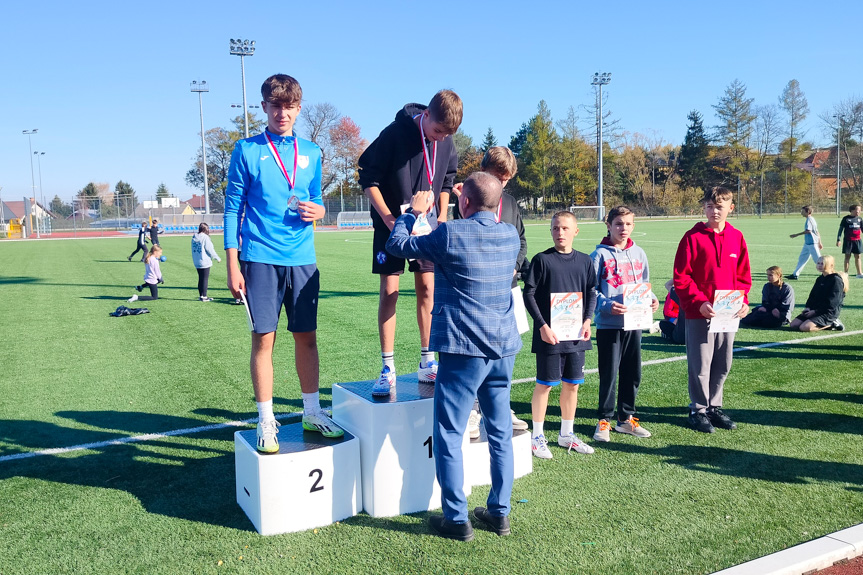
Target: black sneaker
<point x="792" y="277"/>
<point x="700" y="422"/>
<point x="497" y="523"/>
<point x="837" y="325"/>
<point x="719" y="419"/>
<point x="139" y="288"/>
<point x="451" y="530"/>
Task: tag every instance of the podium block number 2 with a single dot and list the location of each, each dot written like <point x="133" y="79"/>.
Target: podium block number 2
<point x="316" y="485"/>
<point x="429" y="443"/>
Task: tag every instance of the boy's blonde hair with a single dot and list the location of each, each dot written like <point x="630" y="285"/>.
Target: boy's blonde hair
<point x="776" y="270"/>
<point x="717" y="194"/>
<point x="500" y="161"/>
<point x="446" y="109"/>
<point x="564" y="214"/>
<point x="282" y="90"/>
<point x="829" y="265"/>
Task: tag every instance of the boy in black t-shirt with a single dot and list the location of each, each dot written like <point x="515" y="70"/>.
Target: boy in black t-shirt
<point x="853" y="244"/>
<point x="557" y="275"/>
<point x="414" y="153"/>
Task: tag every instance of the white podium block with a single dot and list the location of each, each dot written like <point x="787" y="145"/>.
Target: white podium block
<point x="477" y="457"/>
<point x="395" y="435"/>
<point x="311" y="482"/>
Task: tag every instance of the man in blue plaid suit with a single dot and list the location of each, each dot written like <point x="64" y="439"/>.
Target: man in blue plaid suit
<point x="473" y="330"/>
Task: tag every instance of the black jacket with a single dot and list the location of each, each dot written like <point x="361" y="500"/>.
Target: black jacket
<point x="394" y="163"/>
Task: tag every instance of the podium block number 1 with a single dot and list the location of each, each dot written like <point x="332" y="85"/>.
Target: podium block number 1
<point x="315" y="485"/>
<point x="429" y="443"/>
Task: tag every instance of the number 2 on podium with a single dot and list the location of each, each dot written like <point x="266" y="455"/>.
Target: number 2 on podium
<point x="315" y="486"/>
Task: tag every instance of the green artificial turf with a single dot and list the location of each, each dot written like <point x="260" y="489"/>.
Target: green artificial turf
<point x="678" y="502"/>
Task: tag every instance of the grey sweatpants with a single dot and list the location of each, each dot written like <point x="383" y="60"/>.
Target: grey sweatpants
<point x="708" y="356"/>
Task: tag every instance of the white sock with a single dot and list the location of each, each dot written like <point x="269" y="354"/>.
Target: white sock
<point x="388" y="359"/>
<point x="426" y="356"/>
<point x="265" y="410"/>
<point x="537" y="429"/>
<point x="311" y="403"/>
<point x="566" y="426"/>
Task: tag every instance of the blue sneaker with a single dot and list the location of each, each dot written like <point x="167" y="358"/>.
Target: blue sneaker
<point x="427" y="373"/>
<point x="386" y="383"/>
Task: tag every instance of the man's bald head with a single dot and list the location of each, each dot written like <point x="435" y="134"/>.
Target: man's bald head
<point x="483" y="190"/>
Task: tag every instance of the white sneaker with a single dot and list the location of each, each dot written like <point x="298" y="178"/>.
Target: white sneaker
<point x="322" y="423"/>
<point x="133" y="298"/>
<point x="572" y="442"/>
<point x="267" y="440"/>
<point x="601" y="433"/>
<point x="473" y="424"/>
<point x="385" y="383"/>
<point x="517" y="424"/>
<point x="632" y="427"/>
<point x="427" y="374"/>
<point x="539" y="446"/>
<point x="654" y="327"/>
<point x="859" y="276"/>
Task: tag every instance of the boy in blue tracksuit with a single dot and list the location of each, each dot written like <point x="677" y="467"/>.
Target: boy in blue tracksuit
<point x="618" y="262"/>
<point x="274" y="189"/>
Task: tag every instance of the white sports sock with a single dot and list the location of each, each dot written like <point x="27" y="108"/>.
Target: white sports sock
<point x="265" y="410"/>
<point x="566" y="426"/>
<point x="426" y="356"/>
<point x="311" y="403"/>
<point x="537" y="429"/>
<point x="388" y="359"/>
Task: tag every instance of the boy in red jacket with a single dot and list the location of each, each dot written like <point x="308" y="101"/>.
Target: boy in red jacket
<point x="711" y="256"/>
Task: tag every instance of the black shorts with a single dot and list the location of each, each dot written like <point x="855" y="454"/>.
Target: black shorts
<point x="852" y="247"/>
<point x="551" y="368"/>
<point x="820" y="320"/>
<point x="269" y="287"/>
<point x="384" y="263"/>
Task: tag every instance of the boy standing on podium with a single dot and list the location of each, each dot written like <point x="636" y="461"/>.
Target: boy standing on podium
<point x="414" y="153"/>
<point x="274" y="189"/>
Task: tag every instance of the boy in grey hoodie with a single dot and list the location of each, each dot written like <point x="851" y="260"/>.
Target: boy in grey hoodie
<point x="618" y="262"/>
<point x="203" y="253"/>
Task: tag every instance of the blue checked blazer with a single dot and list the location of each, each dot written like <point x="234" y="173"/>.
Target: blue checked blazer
<point x="474" y="259"/>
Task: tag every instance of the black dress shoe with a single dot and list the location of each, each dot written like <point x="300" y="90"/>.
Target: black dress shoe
<point x="450" y="529"/>
<point x="700" y="422"/>
<point x="719" y="419"/>
<point x="497" y="523"/>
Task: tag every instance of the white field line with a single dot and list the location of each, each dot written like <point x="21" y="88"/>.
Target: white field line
<point x="290" y="416"/>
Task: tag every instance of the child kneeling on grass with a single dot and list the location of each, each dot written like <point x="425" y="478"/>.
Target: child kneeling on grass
<point x="559" y="271"/>
<point x="152" y="275"/>
<point x="825" y="300"/>
<point x="777" y="303"/>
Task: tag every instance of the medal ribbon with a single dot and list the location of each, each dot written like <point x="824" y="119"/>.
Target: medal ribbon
<point x="429" y="166"/>
<point x="281" y="164"/>
<point x="499" y="208"/>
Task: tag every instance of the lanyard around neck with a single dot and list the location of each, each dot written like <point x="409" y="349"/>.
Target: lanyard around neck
<point x="430" y="166"/>
<point x="281" y="164"/>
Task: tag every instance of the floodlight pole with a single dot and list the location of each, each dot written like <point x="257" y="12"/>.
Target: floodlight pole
<point x="29" y="134"/>
<point x="243" y="48"/>
<point x="41" y="189"/>
<point x="201" y="87"/>
<point x="600" y="80"/>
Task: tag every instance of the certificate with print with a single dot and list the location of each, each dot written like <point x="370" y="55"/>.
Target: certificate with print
<point x="726" y="304"/>
<point x="637" y="299"/>
<point x="519" y="310"/>
<point x="567" y="315"/>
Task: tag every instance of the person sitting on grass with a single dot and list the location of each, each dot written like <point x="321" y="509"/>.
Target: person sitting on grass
<point x="825" y="300"/>
<point x="777" y="303"/>
<point x="152" y="275"/>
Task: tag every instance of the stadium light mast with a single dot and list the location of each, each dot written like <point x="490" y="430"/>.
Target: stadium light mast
<point x="600" y="79"/>
<point x="243" y="48"/>
<point x="39" y="155"/>
<point x="200" y="88"/>
<point x="838" y="163"/>
<point x="29" y="134"/>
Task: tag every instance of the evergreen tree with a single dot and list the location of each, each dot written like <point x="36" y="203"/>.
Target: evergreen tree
<point x="692" y="163"/>
<point x="162" y="191"/>
<point x="488" y="142"/>
<point x="124" y="197"/>
<point x="537" y="176"/>
<point x="736" y="124"/>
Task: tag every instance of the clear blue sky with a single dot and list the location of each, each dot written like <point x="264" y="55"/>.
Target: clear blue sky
<point x="107" y="83"/>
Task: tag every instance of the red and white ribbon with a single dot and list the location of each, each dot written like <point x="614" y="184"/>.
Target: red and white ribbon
<point x="281" y="164"/>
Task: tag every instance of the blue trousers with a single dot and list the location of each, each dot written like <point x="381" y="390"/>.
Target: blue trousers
<point x="460" y="379"/>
